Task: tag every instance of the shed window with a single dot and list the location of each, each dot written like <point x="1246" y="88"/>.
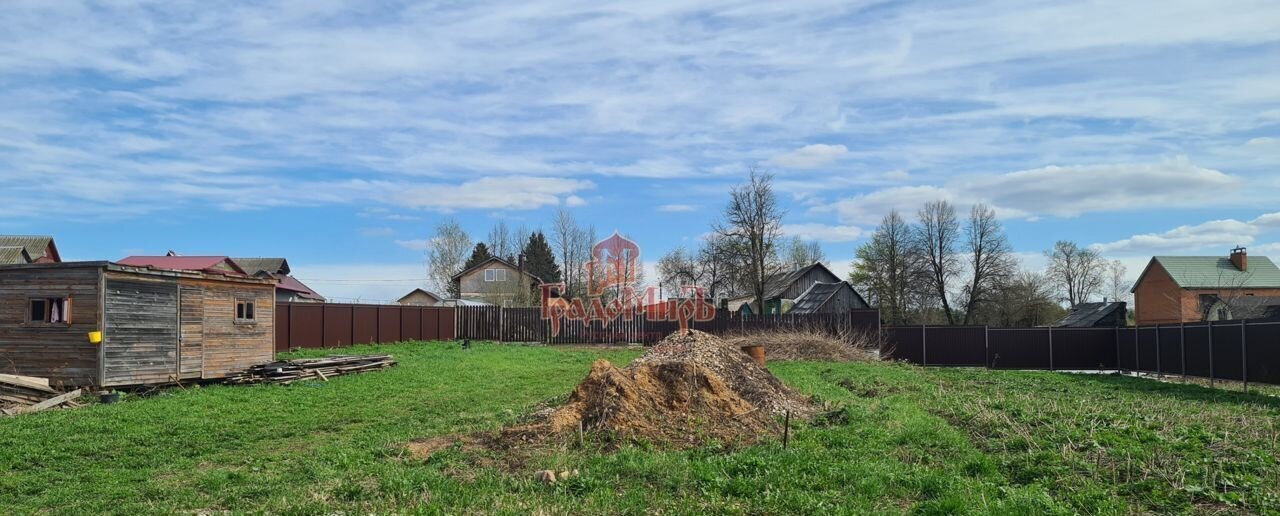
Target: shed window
<point x="244" y="311"/>
<point x="495" y="275"/>
<point x="51" y="310"/>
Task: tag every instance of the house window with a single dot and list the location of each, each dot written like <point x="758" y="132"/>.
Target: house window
<point x="495" y="275"/>
<point x="49" y="310"/>
<point x="244" y="311"/>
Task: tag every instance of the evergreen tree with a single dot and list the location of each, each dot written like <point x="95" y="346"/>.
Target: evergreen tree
<point x="479" y="254"/>
<point x="539" y="259"/>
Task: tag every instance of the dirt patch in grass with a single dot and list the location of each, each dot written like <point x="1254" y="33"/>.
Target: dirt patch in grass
<point x="690" y="389"/>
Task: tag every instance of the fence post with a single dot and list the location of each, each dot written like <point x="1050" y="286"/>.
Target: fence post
<point x="1159" y="366"/>
<point x="986" y="345"/>
<point x="1211" y="383"/>
<point x="1051" y="348"/>
<point x="1137" y="350"/>
<point x="1182" y="343"/>
<point x="924" y="344"/>
<point x="501" y="314"/>
<point x="1244" y="354"/>
<point x="1119" y="367"/>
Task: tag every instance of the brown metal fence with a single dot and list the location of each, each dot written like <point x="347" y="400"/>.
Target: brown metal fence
<point x="333" y="325"/>
<point x="527" y="325"/>
<point x="1230" y="350"/>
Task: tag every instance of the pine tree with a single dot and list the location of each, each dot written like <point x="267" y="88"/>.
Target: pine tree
<point x="479" y="254"/>
<point x="539" y="260"/>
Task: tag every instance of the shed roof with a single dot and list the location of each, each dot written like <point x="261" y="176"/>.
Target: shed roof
<point x="290" y="283"/>
<point x="817" y="295"/>
<point x="1087" y="315"/>
<point x="253" y="266"/>
<point x="418" y="290"/>
<point x="1216" y="272"/>
<point x="34" y="244"/>
<point x="206" y="264"/>
<point x="14" y="255"/>
<point x="777" y="284"/>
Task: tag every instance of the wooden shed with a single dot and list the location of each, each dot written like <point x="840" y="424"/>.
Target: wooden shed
<point x="157" y="326"/>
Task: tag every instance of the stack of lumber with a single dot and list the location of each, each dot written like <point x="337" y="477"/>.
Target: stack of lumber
<point x="285" y="372"/>
<point x="21" y="394"/>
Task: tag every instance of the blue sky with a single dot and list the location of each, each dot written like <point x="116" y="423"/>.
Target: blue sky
<point x="339" y="133"/>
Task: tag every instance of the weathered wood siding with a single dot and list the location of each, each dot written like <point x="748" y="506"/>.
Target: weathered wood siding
<point x="140" y="341"/>
<point x="842" y="301"/>
<point x="191" y="350"/>
<point x="229" y="346"/>
<point x="61" y="353"/>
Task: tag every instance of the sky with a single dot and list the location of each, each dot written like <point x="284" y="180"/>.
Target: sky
<point x="338" y="134"/>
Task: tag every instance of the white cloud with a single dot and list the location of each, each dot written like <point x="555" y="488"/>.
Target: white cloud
<point x="415" y="245"/>
<point x="573" y="200"/>
<point x="675" y="208"/>
<point x="810" y="156"/>
<point x="1063" y="191"/>
<point x="502" y="193"/>
<point x="1214" y="235"/>
<point x="823" y="232"/>
<point x="1263" y="141"/>
<point x="1182" y="239"/>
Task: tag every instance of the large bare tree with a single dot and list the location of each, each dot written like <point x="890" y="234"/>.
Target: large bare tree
<point x="1077" y="271"/>
<point x="752" y="225"/>
<point x="889" y="268"/>
<point x="936" y="237"/>
<point x="446" y="253"/>
<point x="991" y="259"/>
<point x="572" y="244"/>
<point x="502" y="243"/>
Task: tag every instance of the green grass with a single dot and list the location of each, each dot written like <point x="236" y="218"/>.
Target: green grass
<point x="905" y="439"/>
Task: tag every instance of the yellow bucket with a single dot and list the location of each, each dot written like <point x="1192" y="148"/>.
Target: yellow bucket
<point x="95" y="337"/>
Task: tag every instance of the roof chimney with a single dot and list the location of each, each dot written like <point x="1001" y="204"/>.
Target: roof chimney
<point x="1240" y="258"/>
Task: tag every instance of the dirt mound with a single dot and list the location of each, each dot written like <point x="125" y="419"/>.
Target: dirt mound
<point x="686" y="389"/>
<point x="806" y="345"/>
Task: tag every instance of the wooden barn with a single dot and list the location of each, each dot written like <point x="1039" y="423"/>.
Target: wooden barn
<point x="152" y="326"/>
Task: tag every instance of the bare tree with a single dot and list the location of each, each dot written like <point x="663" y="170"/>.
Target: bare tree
<point x="889" y="267"/>
<point x="501" y="242"/>
<point x="720" y="273"/>
<point x="1117" y="283"/>
<point x="1022" y="299"/>
<point x="753" y="223"/>
<point x="1077" y="271"/>
<point x="446" y="253"/>
<point x="936" y="237"/>
<point x="804" y="254"/>
<point x="572" y="245"/>
<point x="991" y="259"/>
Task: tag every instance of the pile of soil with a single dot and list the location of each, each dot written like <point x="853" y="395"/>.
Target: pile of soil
<point x="805" y="345"/>
<point x="687" y="389"/>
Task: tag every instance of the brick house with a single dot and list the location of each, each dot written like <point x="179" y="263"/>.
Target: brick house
<point x="1176" y="289"/>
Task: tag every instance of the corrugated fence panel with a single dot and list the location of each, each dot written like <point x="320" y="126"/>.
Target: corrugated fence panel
<point x="1170" y="349"/>
<point x="282" y="327"/>
<point x="1264" y="352"/>
<point x="306" y="326"/>
<point x="1197" y="349"/>
<point x="364" y="324"/>
<point x="411" y="323"/>
<point x="1084" y="349"/>
<point x="962" y="346"/>
<point x="1146" y="350"/>
<point x="1228" y="363"/>
<point x="905" y="343"/>
<point x="337" y="326"/>
<point x="1019" y="348"/>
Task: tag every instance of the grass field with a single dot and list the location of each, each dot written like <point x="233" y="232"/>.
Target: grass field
<point x="905" y="439"/>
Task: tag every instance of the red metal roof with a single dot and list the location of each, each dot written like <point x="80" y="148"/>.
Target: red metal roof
<point x="289" y="283"/>
<point x="208" y="264"/>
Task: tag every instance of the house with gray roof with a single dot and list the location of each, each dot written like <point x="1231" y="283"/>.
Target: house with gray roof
<point x="782" y="289"/>
<point x="829" y="298"/>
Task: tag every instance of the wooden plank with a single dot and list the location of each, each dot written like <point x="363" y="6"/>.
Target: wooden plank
<point x="51" y="402"/>
<point x="29" y="382"/>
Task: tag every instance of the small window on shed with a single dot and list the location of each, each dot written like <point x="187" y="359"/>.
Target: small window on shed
<point x="495" y="275"/>
<point x="244" y="311"/>
<point x="49" y="310"/>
